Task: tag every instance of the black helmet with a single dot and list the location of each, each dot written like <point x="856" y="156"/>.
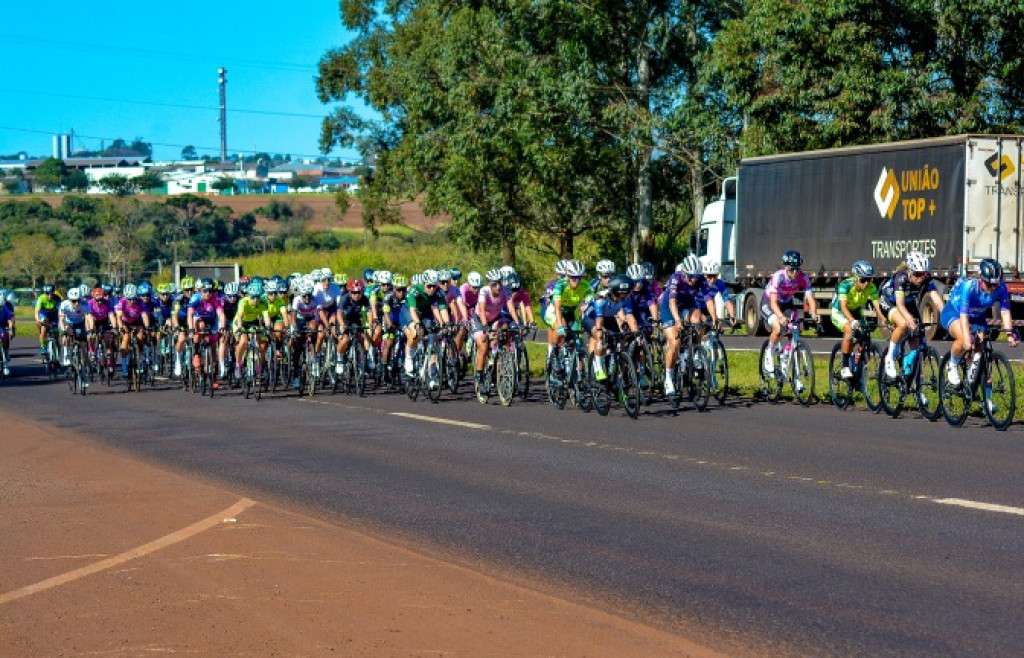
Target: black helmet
<point x="47" y="288"/>
<point x="792" y="259"/>
<point x="513" y="282"/>
<point x="620" y="284"/>
<point x="990" y="271"/>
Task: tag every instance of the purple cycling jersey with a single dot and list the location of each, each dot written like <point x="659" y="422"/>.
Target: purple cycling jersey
<point x="784" y="287"/>
<point x="206" y="309"/>
<point x="99" y="309"/>
<point x="681" y="290"/>
<point x="470" y="296"/>
<point x="132" y="310"/>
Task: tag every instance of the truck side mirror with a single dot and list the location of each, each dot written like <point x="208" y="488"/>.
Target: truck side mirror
<point x="693" y="242"/>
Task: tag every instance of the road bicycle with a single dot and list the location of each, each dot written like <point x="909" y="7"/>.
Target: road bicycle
<point x="353" y="377"/>
<point x="985" y="376"/>
<point x="691" y="374"/>
<point x="566" y="372"/>
<point x="51" y="353"/>
<point x="919" y="376"/>
<point x="254" y="381"/>
<point x="865" y="365"/>
<point x="204" y="362"/>
<point x="792" y="361"/>
<point x="647" y="352"/>
<point x="621" y="382"/>
<point x="718" y="363"/>
<point x="77" y="372"/>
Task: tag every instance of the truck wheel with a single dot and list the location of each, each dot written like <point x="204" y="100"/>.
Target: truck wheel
<point x="752" y="317"/>
<point x="930" y="315"/>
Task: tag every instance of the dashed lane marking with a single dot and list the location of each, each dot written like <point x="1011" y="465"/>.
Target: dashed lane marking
<point x="121" y="558"/>
<point x="442" y="421"/>
<point x="973" y="504"/>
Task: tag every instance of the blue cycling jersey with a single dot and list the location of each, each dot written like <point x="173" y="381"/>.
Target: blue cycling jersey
<point x="968" y="298"/>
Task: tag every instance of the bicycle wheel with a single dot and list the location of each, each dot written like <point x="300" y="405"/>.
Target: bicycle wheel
<point x="871" y="372"/>
<point x="453" y="376"/>
<point x="628" y="386"/>
<point x="433" y="374"/>
<point x="699" y="384"/>
<point x="247" y="375"/>
<point x="893" y="390"/>
<point x="839" y="389"/>
<point x="956" y="400"/>
<point x="771" y="382"/>
<point x="555" y="379"/>
<point x="926" y="381"/>
<point x="505" y="366"/>
<point x="209" y="371"/>
<point x="801" y="368"/>
<point x="1000" y="396"/>
<point x="71" y="375"/>
<point x="412" y="382"/>
<point x="600" y="392"/>
<point x="312" y="369"/>
<point x="522" y="371"/>
<point x="719" y="370"/>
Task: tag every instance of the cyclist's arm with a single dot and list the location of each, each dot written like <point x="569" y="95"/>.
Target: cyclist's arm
<point x="221" y="317"/>
<point x="901" y="304"/>
<point x="936" y="300"/>
<point x="709" y="303"/>
<point x="811" y="302"/>
<point x="629" y="320"/>
<point x="440" y="314"/>
<point x="673" y="308"/>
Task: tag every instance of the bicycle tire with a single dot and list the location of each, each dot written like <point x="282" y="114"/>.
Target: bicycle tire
<point x="600" y="394"/>
<point x="629" y="386"/>
<point x="556" y="388"/>
<point x="926" y="384"/>
<point x="771" y="383"/>
<point x="505" y="368"/>
<point x="433" y="360"/>
<point x="359" y="370"/>
<point x="894" y="390"/>
<point x="699" y="384"/>
<point x="210" y="372"/>
<point x="1006" y="406"/>
<point x="956" y="400"/>
<point x="803" y="386"/>
<point x="522" y="370"/>
<point x="719" y="370"/>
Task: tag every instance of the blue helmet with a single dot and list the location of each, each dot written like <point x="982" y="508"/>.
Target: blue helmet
<point x="368" y="274"/>
<point x="145" y="289"/>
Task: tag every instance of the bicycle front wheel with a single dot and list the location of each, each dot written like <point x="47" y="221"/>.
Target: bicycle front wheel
<point x="956" y="399"/>
<point x="699" y="376"/>
<point x="628" y="386"/>
<point x="801" y="367"/>
<point x="1000" y="398"/>
<point x="506" y="377"/>
<point x="870" y="378"/>
<point x="719" y="369"/>
<point x="771" y="382"/>
<point x="926" y="379"/>
<point x="838" y="388"/>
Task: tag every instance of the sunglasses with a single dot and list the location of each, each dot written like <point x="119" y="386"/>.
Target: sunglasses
<point x="864" y="279"/>
<point x="430" y="286"/>
<point x="575" y="278"/>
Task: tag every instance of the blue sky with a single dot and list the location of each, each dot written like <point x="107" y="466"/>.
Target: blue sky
<point x="165" y="53"/>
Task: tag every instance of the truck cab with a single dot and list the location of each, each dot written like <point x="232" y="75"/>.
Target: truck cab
<point x="716" y="236"/>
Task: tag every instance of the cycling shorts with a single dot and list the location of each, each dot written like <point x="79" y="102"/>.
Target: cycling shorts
<point x="949" y="316"/>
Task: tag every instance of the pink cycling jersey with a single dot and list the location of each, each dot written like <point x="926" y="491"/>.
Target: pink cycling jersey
<point x="132" y="310"/>
<point x="100" y="310"/>
<point x="469" y="296"/>
<point x="521" y="296"/>
<point x="492" y="303"/>
<point x="784" y="287"/>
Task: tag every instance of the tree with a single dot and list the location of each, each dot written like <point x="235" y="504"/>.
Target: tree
<point x="276" y="211"/>
<point x="223" y="183"/>
<point x="148" y="181"/>
<point x="50" y="173"/>
<point x="35" y="256"/>
<point x="13" y="185"/>
<point x="187" y="211"/>
<point x="75" y="180"/>
<point x="117" y="185"/>
<point x="189" y="153"/>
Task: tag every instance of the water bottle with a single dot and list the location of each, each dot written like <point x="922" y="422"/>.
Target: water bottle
<point x="972" y="370"/>
<point x="787" y="351"/>
<point x="908" y="361"/>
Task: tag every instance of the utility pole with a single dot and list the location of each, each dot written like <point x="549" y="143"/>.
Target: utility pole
<point x="222" y="83"/>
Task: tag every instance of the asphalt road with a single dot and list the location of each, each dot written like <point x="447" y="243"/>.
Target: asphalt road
<point x="766" y="528"/>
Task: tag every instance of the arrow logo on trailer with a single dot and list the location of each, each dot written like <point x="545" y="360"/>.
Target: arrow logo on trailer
<point x="887" y="193"/>
<point x="1003" y="169"/>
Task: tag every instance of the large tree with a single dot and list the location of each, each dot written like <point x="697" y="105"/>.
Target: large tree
<point x="49" y="173"/>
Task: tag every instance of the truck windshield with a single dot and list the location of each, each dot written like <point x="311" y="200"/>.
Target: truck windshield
<point x="702" y="242"/>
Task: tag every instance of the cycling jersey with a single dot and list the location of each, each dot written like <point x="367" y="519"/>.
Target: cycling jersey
<point x="719" y="287"/>
<point x="901" y="285"/>
<point x="418" y="298"/>
<point x="327" y="298"/>
<point x="304" y="310"/>
<point x="162" y="311"/>
<point x="687" y="295"/>
<point x="469" y="296"/>
<point x="391" y="307"/>
<point x="856" y="298"/>
<point x="230" y="308"/>
<point x="181" y="308"/>
<point x="100" y="310"/>
<point x="250" y="311"/>
<point x="609" y="307"/>
<point x="352" y="309"/>
<point x="206" y="309"/>
<point x="785" y="287"/>
<point x="276" y="308"/>
<point x="641" y="301"/>
<point x="72" y="313"/>
<point x="968" y="298"/>
<point x="131" y="311"/>
<point x="493" y="303"/>
<point x="569" y="297"/>
<point x="6" y="316"/>
<point x="47" y="306"/>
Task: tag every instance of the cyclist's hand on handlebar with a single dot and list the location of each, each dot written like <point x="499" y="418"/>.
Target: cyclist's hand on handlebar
<point x="560" y="331"/>
<point x="855" y="325"/>
<point x="1012" y="338"/>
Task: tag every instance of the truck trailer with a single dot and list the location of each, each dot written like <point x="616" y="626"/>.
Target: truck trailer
<point x="956" y="199"/>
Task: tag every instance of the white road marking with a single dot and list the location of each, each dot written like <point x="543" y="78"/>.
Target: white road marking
<point x="442" y="421"/>
<point x="973" y="504"/>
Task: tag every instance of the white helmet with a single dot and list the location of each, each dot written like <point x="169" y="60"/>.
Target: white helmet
<point x="326" y="273"/>
<point x="305" y="288"/>
<point x="493" y="276"/>
<point x="130" y="291"/>
<point x="308" y="280"/>
<point x="231" y="289"/>
<point x="83" y="291"/>
<point x="272" y="285"/>
<point x="11" y="297"/>
<point x="474" y="279"/>
<point x="383" y="277"/>
<point x="636" y="272"/>
<point x="444" y="275"/>
<point x="74" y="294"/>
<point x="574" y="268"/>
<point x="710" y="266"/>
<point x="417" y="279"/>
<point x="560" y="267"/>
<point x="605" y="267"/>
<point x="917" y="262"/>
<point x="429" y="277"/>
<point x="506" y="270"/>
<point x="690" y="266"/>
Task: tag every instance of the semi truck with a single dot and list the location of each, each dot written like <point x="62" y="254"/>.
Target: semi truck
<point x="957" y="199"/>
<point x="226" y="272"/>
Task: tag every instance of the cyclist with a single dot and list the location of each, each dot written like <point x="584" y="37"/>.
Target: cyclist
<point x="606" y="316"/>
<point x="304" y="316"/>
<point x="47" y="305"/>
<point x="605" y="269"/>
<point x="900" y="296"/>
<point x="252" y="314"/>
<point x="71" y="322"/>
<point x="391" y="312"/>
<point x="179" y="319"/>
<point x="720" y="291"/>
<point x="277" y="310"/>
<point x="520" y="298"/>
<point x="852" y="296"/>
<point x="469" y="294"/>
<point x="425" y="307"/>
<point x="569" y="298"/>
<point x="780" y="296"/>
<point x="971" y="300"/>
<point x="376" y="294"/>
<point x="100" y="319"/>
<point x="230" y="301"/>
<point x="7" y="331"/>
<point x="133" y="317"/>
<point x="206" y="313"/>
<point x="547" y="309"/>
<point x="687" y="292"/>
<point x="641" y="297"/>
<point x="327" y="295"/>
<point x="488" y="315"/>
<point x="351" y="310"/>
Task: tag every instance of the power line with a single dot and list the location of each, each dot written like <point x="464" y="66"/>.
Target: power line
<point x="234" y="61"/>
<point x="162" y="104"/>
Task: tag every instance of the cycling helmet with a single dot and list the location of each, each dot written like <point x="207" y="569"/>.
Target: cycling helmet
<point x="47" y="288"/>
<point x="258" y="279"/>
<point x="188" y="283"/>
<point x="710" y="266"/>
<point x="430" y="277"/>
<point x="444" y="275"/>
<point x="474" y="279"/>
<point x="513" y="282"/>
<point x="130" y="291"/>
<point x="620" y="285"/>
<point x="383" y="277"/>
<point x="305" y="288"/>
<point x="272" y="286"/>
<point x="97" y="293"/>
<point x="417" y="279"/>
<point x="368" y="274"/>
<point x="205" y="284"/>
<point x="231" y="290"/>
<point x="255" y="289"/>
<point x="605" y="266"/>
<point x="74" y="294"/>
<point x="792" y="258"/>
<point x="83" y="291"/>
<point x="400" y="281"/>
<point x="356" y="285"/>
<point x="918" y="262"/>
<point x="506" y="270"/>
<point x="244" y="280"/>
<point x="326" y="273"/>
<point x="635" y="272"/>
<point x="455" y="273"/>
<point x="648" y="270"/>
<point x="990" y="271"/>
<point x="560" y="267"/>
<point x="575" y="269"/>
<point x="107" y="288"/>
<point x="11" y="297"/>
<point x="340" y="279"/>
<point x="494" y="276"/>
<point x="144" y="289"/>
<point x="691" y="266"/>
<point x="863" y="269"/>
